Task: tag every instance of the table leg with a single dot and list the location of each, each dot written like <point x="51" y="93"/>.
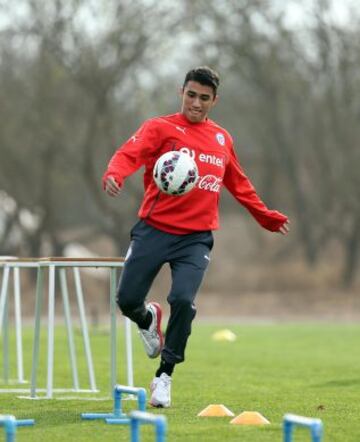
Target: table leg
<point x="113" y="331"/>
<point x="18" y="326"/>
<point x="84" y="328"/>
<point x="51" y="327"/>
<point x="69" y="329"/>
<point x="36" y="345"/>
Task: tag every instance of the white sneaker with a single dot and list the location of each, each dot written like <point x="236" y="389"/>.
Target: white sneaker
<point x="153" y="338"/>
<point x="161" y="391"/>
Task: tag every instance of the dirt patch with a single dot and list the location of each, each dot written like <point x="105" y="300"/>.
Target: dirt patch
<point x="297" y="306"/>
<point x="251" y="276"/>
<point x="247" y="299"/>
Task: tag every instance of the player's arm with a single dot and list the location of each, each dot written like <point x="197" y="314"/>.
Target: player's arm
<point x="130" y="157"/>
<point x="239" y="185"/>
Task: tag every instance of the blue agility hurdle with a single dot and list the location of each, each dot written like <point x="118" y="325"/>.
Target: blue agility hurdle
<point x="10" y="423"/>
<point x="291" y="420"/>
<point x="24" y="422"/>
<point x="117" y="416"/>
<point x="141" y="417"/>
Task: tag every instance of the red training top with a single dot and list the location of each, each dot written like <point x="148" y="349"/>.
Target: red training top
<point x="212" y="148"/>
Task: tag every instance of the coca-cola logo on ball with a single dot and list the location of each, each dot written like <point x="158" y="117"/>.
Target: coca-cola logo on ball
<point x="211" y="183"/>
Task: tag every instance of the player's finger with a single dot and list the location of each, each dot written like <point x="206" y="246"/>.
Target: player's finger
<point x="111" y="192"/>
<point x="112" y="189"/>
<point x="112" y="186"/>
<point x="115" y="192"/>
<point x="111" y="182"/>
<point x="284" y="229"/>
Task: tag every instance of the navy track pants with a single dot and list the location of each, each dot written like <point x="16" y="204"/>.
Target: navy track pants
<point x="188" y="257"/>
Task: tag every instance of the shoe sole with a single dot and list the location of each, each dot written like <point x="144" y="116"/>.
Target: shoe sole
<point x="158" y="309"/>
<point x="159" y="405"/>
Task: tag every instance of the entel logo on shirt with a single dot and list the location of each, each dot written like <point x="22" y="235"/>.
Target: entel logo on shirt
<point x="204" y="158"/>
<point x="211" y="159"/>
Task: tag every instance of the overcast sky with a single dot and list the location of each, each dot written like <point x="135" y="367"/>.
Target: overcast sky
<point x="298" y="12"/>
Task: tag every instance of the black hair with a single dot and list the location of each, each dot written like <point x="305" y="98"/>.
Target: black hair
<point x="205" y="76"/>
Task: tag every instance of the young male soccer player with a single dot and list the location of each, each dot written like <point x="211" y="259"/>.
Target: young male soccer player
<point x="178" y="229"/>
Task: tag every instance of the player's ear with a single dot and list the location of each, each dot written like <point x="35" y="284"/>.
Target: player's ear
<point x="180" y="91"/>
<point x="216" y="99"/>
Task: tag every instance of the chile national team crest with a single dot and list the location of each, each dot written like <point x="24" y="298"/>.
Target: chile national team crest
<point x="220" y="138"/>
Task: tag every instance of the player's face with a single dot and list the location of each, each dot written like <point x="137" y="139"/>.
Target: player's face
<point x="197" y="101"/>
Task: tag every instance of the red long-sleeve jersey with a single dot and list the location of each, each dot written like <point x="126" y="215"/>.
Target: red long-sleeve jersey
<point x="211" y="147"/>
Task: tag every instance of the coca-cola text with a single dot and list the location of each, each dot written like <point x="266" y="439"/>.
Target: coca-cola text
<point x="211" y="183"/>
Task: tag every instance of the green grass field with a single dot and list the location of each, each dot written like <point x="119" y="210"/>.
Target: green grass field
<point x="311" y="370"/>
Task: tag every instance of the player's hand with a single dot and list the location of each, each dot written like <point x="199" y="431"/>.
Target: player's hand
<point x="111" y="187"/>
<point x="285" y="228"/>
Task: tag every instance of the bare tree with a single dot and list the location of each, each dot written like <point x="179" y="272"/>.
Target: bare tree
<point x="79" y="89"/>
<point x="297" y="90"/>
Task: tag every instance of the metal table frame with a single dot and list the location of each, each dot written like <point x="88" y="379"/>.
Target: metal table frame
<point x="61" y="264"/>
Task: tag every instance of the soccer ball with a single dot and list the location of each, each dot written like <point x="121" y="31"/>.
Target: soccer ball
<point x="175" y="173"/>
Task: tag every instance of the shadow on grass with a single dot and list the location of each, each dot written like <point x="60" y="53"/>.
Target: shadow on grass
<point x="338" y="383"/>
<point x="56" y="417"/>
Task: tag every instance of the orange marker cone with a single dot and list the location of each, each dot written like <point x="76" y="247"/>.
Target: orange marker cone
<point x="250" y="418"/>
<point x="215" y="410"/>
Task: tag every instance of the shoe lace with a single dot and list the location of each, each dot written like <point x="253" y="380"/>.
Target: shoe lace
<point x="149" y="333"/>
<point x="166" y="381"/>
